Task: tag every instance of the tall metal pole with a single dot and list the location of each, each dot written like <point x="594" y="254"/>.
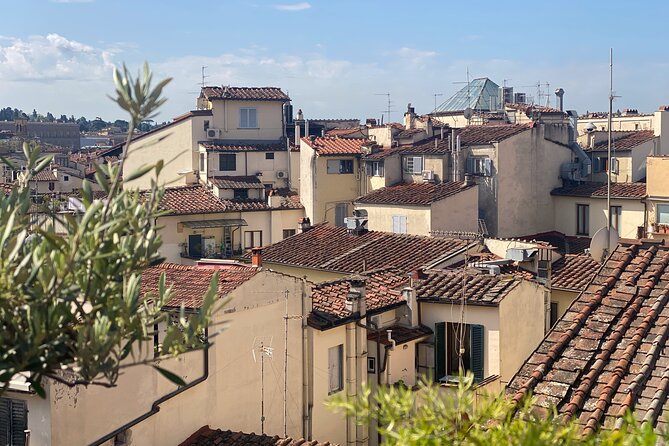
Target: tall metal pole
<point x="285" y="369"/>
<point x="262" y="389"/>
<point x="608" y="170"/>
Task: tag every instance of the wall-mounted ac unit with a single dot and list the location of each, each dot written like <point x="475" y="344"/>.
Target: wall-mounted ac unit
<point x="428" y="175"/>
<point x="213" y="133"/>
<point x="282" y="174"/>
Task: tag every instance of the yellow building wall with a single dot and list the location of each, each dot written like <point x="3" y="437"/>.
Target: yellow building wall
<point x="227" y="118"/>
<point x="564" y="299"/>
<point x="565" y="215"/>
<point x="459" y="212"/>
<point x="312" y="275"/>
<point x="380" y="217"/>
<point x="438" y="164"/>
<point x="229" y="398"/>
<point x="657" y="184"/>
<point x="252" y="164"/>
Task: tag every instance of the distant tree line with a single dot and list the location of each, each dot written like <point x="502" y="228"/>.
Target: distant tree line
<point x="95" y="125"/>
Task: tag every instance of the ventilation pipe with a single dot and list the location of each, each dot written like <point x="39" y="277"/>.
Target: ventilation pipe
<point x="560" y="97"/>
<point x="393" y="344"/>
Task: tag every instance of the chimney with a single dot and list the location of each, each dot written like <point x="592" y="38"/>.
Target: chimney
<point x="560" y="98"/>
<point x="468" y="180"/>
<point x="409" y="295"/>
<point x="355" y="299"/>
<point x="274" y="199"/>
<point x="303" y="225"/>
<point x="409" y="117"/>
<point x="256" y="257"/>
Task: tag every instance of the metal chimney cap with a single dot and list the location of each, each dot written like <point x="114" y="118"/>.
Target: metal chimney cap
<point x="559" y="92"/>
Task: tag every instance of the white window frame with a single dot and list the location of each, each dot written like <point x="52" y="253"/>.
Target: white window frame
<point x="413" y="165"/>
<point x="660" y="210"/>
<point x="399" y="224"/>
<point x="248" y="118"/>
<point x="335" y="369"/>
<point x="336" y="166"/>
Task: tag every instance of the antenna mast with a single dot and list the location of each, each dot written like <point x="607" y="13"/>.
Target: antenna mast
<point x="389" y="105"/>
<point x="608" y="170"/>
<point x="204" y="76"/>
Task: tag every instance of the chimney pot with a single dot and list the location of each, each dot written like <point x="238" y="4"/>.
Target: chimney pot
<point x="256" y="257"/>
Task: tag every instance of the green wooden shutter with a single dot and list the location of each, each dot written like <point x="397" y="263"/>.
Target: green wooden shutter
<point x="19" y="422"/>
<point x="477" y="351"/>
<point x="5" y="421"/>
<point x="439" y="350"/>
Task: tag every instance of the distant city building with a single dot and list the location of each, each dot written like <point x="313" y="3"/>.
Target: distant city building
<point x="58" y="133"/>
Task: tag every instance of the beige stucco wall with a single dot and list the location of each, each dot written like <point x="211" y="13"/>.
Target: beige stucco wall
<point x="658" y="181"/>
<point x="227" y="118"/>
<point x="176" y="145"/>
<point x="312" y="275"/>
<point x="252" y="164"/>
<point x="392" y="174"/>
<point x="438" y="164"/>
<point x="380" y="217"/>
<point x="522" y="317"/>
<point x="458" y="212"/>
<point x="229" y="398"/>
<point x="619" y="123"/>
<point x="563" y="298"/>
<point x="565" y="215"/>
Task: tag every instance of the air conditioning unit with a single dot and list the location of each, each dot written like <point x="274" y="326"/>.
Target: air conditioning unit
<point x="213" y="133"/>
<point x="282" y="174"/>
<point x="428" y="175"/>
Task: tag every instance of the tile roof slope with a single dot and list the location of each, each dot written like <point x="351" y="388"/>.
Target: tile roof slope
<point x="573" y="272"/>
<point x="416" y="194"/>
<point x="598" y="190"/>
<point x="480" y="289"/>
<point x="381" y="291"/>
<point x="343" y="132"/>
<point x="334" y="248"/>
<point x="538" y="108"/>
<point x="238" y="147"/>
<point x="194" y="199"/>
<point x="485" y="134"/>
<point x="240" y="182"/>
<point x="245" y="93"/>
<point x="606" y="354"/>
<point x="205" y="436"/>
<point x="44" y="175"/>
<point x="401" y="334"/>
<point x="326" y="145"/>
<point x="626" y="142"/>
<point x="189" y="284"/>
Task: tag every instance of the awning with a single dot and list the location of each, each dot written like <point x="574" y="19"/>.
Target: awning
<point x="220" y="223"/>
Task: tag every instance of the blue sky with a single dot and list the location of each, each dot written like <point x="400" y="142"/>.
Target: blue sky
<point x="334" y="56"/>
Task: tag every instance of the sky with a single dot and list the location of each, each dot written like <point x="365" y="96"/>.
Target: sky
<point x="335" y="58"/>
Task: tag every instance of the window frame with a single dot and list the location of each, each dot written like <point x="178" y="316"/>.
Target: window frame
<point x="240" y="194"/>
<point x="340" y="167"/>
<point x="413" y="164"/>
<point x="582" y="227"/>
<point x="223" y="165"/>
<point x="616" y="213"/>
<point x="14" y="408"/>
<point x="202" y="160"/>
<point x="658" y="213"/>
<point x="340" y="222"/>
<point x="245" y="114"/>
<point x="254" y="236"/>
<point x="269" y="155"/>
<point x="289" y="233"/>
<point x="375" y="169"/>
<point x="336" y="369"/>
<point x="399" y="221"/>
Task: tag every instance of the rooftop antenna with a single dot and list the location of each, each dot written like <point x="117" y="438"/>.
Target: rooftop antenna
<point x="204" y="76"/>
<point x="469" y="100"/>
<point x="263" y="349"/>
<point x="389" y="105"/>
<point x="435" y="100"/>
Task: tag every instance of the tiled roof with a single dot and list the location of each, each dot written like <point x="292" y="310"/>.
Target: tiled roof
<point x="537" y="108"/>
<point x="242" y="182"/>
<point x="598" y="190"/>
<point x="473" y="135"/>
<point x="480" y="289"/>
<point x="334" y="248"/>
<point x="290" y="199"/>
<point x="607" y="354"/>
<point x="245" y="93"/>
<point x="189" y="284"/>
<point x="205" y="436"/>
<point x="401" y="334"/>
<point x="413" y="194"/>
<point x="336" y="146"/>
<point x="381" y="291"/>
<point x="344" y="132"/>
<point x="625" y="142"/>
<point x="195" y="199"/>
<point x="44" y="175"/>
<point x="409" y="132"/>
<point x="574" y="272"/>
<point x="235" y="147"/>
<point x="566" y="244"/>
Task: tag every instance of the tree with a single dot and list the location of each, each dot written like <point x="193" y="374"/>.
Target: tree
<point x="434" y="416"/>
<point x="70" y="305"/>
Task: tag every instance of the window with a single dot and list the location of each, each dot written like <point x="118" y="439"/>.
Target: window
<point x="241" y="194"/>
<point x="449" y="337"/>
<point x="248" y="118"/>
<point x="600" y="164"/>
<point x="341" y="211"/>
<point x="375" y="169"/>
<point x="252" y="239"/>
<point x="371" y="364"/>
<point x="616" y="212"/>
<point x="66" y="178"/>
<point x="52" y="185"/>
<point x="227" y="161"/>
<point x="413" y="165"/>
<point x="288" y="233"/>
<point x="554" y="313"/>
<point x="13" y="422"/>
<point x="399" y="224"/>
<point x="340" y="166"/>
<point x="269" y="155"/>
<point x="479" y="166"/>
<point x="582" y="219"/>
<point x="335" y="370"/>
<point x="662" y="214"/>
<point x="206" y="125"/>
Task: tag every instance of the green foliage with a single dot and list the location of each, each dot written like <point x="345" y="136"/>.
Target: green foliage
<point x="70" y="302"/>
<point x="433" y="415"/>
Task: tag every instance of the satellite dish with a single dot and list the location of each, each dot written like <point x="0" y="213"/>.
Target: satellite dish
<point x="468" y="113"/>
<point x="601" y="241"/>
<point x="590" y="127"/>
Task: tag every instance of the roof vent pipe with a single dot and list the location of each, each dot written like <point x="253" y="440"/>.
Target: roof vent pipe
<point x="560" y="98"/>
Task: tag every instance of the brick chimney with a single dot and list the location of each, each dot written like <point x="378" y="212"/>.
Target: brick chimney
<point x="256" y="257"/>
<point x="303" y="225"/>
<point x="355" y="299"/>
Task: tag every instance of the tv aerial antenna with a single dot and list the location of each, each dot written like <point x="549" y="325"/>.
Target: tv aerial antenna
<point x="389" y="105"/>
<point x="263" y="347"/>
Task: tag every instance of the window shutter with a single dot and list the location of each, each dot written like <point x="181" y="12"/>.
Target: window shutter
<point x="19" y="422"/>
<point x="417" y="165"/>
<point x="595" y="164"/>
<point x="333" y="355"/>
<point x="381" y="167"/>
<point x="470" y="165"/>
<point x="253" y="120"/>
<point x="476" y="351"/>
<point x="403" y="224"/>
<point x="487" y="166"/>
<point x="5" y="424"/>
<point x="369" y="169"/>
<point x="243" y="118"/>
<point x="439" y="350"/>
<point x="396" y="224"/>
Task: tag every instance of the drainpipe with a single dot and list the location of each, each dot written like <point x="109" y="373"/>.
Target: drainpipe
<point x="457" y="159"/>
<point x="155" y="407"/>
<point x="351" y="382"/>
<point x="393" y="344"/>
<point x="306" y="367"/>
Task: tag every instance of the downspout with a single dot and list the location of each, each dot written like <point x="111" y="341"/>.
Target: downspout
<point x="155" y="407"/>
<point x="246" y="163"/>
<point x="351" y="382"/>
<point x="306" y="367"/>
<point x="393" y="344"/>
<point x="377" y="369"/>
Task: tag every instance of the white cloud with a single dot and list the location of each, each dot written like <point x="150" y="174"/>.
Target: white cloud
<point x="301" y="6"/>
<point x="415" y="56"/>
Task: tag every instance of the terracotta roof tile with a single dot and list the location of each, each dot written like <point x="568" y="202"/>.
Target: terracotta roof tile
<point x="244" y="93"/>
<point x="189" y="284"/>
<point x="44" y="175"/>
<point x="205" y="436"/>
<point x="598" y="190"/>
<point x="538" y="108"/>
<point x="612" y="337"/>
<point x="237" y="147"/>
<point x="335" y="249"/>
<point x="413" y="194"/>
<point x="344" y="132"/>
<point x="195" y="199"/>
<point x="566" y="244"/>
<point x="401" y="334"/>
<point x="485" y="134"/>
<point x="336" y="146"/>
<point x="574" y="272"/>
<point x="625" y="141"/>
<point x="480" y="289"/>
<point x="242" y="182"/>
